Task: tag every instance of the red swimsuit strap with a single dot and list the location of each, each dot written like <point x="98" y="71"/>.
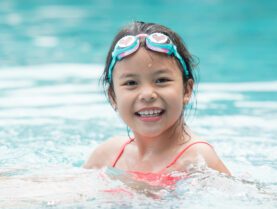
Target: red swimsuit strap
<point x="182" y="152"/>
<point x="170" y="164"/>
<point x="121" y="151"/>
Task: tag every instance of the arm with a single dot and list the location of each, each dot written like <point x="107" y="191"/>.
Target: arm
<point x="104" y="154"/>
<point x="212" y="159"/>
<point x="95" y="159"/>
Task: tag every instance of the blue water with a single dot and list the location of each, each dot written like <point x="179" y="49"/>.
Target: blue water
<point x="53" y="113"/>
<point x="234" y="40"/>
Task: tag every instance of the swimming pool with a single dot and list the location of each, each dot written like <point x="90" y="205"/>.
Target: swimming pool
<point x="53" y="113"/>
<point x="52" y="116"/>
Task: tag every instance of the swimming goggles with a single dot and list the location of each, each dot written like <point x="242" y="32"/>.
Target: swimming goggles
<point x="157" y="42"/>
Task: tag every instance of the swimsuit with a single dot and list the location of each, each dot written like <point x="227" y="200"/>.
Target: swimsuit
<point x="160" y="178"/>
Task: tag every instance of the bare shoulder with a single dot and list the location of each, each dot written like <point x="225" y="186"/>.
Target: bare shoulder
<point x="105" y="153"/>
<point x="209" y="154"/>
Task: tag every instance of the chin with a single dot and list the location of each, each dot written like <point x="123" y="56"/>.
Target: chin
<point x="149" y="133"/>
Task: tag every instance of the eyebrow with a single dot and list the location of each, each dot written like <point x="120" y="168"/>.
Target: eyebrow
<point x="127" y="75"/>
<point x="165" y="70"/>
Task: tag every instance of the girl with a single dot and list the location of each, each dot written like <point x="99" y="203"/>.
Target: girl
<point x="149" y="81"/>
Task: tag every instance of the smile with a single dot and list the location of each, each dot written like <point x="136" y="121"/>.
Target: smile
<point x="150" y="114"/>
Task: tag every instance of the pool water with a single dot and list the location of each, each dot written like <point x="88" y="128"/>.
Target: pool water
<point x="53" y="112"/>
<point x="52" y="116"/>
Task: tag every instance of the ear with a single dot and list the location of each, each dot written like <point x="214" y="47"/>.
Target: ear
<point x="112" y="99"/>
<point x="188" y="88"/>
<point x="113" y="105"/>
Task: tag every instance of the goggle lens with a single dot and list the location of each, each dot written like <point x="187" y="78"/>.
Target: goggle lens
<point x="159" y="38"/>
<point x="126" y="41"/>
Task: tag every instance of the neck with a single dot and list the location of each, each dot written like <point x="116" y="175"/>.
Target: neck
<point x="173" y="137"/>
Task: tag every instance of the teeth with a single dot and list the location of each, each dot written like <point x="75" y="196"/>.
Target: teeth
<point x="150" y="112"/>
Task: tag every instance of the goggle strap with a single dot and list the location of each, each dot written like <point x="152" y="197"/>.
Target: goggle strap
<point x="130" y="50"/>
<point x="120" y="53"/>
<point x="178" y="56"/>
<point x="166" y="48"/>
<point x="157" y="49"/>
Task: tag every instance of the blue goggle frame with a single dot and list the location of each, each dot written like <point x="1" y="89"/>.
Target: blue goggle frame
<point x="157" y="42"/>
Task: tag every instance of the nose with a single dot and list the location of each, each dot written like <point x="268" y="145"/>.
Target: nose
<point x="147" y="94"/>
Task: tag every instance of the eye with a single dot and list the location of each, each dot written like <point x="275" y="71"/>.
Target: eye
<point x="162" y="80"/>
<point x="130" y="83"/>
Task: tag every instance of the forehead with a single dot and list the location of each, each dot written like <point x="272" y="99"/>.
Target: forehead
<point x="146" y="61"/>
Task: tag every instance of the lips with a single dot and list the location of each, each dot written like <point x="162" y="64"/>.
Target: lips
<point x="150" y="114"/>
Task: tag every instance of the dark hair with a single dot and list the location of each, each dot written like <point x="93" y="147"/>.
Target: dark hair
<point x="139" y="27"/>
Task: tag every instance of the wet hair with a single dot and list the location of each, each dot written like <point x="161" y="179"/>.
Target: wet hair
<point x="138" y="27"/>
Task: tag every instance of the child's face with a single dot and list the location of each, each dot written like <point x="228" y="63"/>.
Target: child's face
<point x="148" y="81"/>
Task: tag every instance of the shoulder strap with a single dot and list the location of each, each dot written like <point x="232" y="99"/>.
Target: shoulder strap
<point x="183" y="151"/>
<point x="121" y="151"/>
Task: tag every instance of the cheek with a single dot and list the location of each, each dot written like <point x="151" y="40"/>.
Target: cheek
<point x="125" y="107"/>
<point x="176" y="100"/>
<point x="175" y="94"/>
<point x="123" y="100"/>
